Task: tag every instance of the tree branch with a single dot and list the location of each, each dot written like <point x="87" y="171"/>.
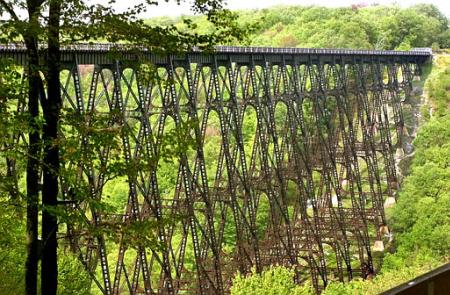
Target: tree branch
<point x="42" y="96"/>
<point x="10" y="10"/>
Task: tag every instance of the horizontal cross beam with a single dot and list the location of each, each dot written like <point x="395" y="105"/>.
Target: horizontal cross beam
<point x="107" y="53"/>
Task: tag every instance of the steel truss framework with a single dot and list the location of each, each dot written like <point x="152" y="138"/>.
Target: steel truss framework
<point x="304" y="188"/>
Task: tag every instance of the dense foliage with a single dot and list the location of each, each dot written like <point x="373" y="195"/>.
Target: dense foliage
<point x="273" y="281"/>
<point x="377" y="27"/>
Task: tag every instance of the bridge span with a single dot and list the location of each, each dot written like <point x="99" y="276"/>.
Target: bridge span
<point x="283" y="156"/>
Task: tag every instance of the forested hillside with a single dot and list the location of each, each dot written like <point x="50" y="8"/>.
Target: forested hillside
<point x="377" y="27"/>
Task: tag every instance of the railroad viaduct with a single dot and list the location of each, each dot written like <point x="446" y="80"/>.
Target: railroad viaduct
<point x="301" y="169"/>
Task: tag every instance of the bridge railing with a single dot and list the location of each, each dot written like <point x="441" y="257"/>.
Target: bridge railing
<point x="231" y="49"/>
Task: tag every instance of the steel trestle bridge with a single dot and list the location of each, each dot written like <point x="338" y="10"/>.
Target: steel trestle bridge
<point x="291" y="161"/>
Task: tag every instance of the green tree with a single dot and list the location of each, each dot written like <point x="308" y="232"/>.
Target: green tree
<point x="56" y="22"/>
<point x="273" y="281"/>
<point x="380" y="27"/>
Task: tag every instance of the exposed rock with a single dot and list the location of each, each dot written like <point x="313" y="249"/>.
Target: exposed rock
<point x="390" y="201"/>
<point x="408" y="148"/>
<point x="378" y="246"/>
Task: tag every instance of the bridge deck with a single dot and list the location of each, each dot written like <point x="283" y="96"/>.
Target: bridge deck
<point x="99" y="54"/>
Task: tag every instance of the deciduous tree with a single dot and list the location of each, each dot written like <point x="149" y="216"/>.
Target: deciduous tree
<point x="56" y="22"/>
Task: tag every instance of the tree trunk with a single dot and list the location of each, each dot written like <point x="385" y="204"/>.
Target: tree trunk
<point x="34" y="148"/>
<point x="31" y="265"/>
<point x="51" y="109"/>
